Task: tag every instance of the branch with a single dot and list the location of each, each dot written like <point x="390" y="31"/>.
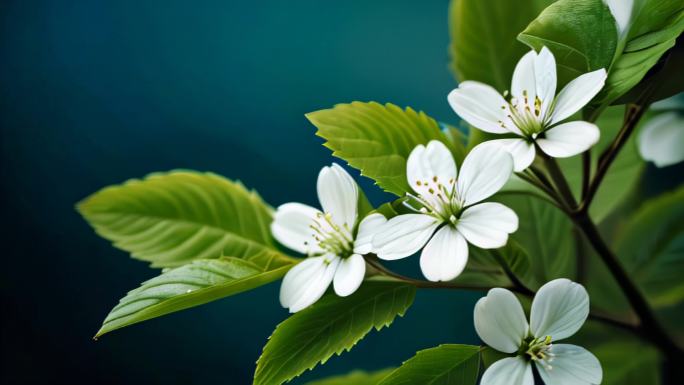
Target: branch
<point x="586" y="173"/>
<point x="517" y="287"/>
<point x="649" y="325"/>
<point x="634" y="113"/>
<point x="558" y="179"/>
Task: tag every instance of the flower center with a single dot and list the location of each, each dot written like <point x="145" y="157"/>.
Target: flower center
<point x="332" y="237"/>
<point x="526" y="114"/>
<point x="539" y="350"/>
<point x="437" y="198"/>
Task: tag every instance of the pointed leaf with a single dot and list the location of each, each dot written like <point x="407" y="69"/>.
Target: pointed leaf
<point x="442" y="365"/>
<point x="357" y="377"/>
<point x="169" y="219"/>
<point x="331" y="326"/>
<point x="377" y="139"/>
<point x="193" y="284"/>
<point x="581" y="34"/>
<point x="483" y="33"/>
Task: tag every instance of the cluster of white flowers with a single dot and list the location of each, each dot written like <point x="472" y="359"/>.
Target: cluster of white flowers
<point x="448" y="213"/>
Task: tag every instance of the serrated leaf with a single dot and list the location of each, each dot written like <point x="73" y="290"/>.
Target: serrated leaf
<point x="377" y="139"/>
<point x="651" y="247"/>
<point x="193" y="284"/>
<point x="442" y="365"/>
<point x="331" y="326"/>
<point x="581" y="34"/>
<point x="483" y="33"/>
<point x="170" y="219"/>
<point x="357" y="377"/>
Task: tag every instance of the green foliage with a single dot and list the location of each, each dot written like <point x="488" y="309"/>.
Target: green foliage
<point x="625" y="359"/>
<point x="486" y="267"/>
<point x="651" y="247"/>
<point x="377" y="139"/>
<point x="194" y="284"/>
<point x="545" y="234"/>
<point x="581" y="34"/>
<point x="331" y="326"/>
<point x="170" y="219"/>
<point x="442" y="365"/>
<point x="483" y="33"/>
<point x="357" y="377"/>
<point x="655" y="26"/>
<point x="623" y="175"/>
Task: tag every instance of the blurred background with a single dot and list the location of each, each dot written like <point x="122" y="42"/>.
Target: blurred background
<point x="95" y="92"/>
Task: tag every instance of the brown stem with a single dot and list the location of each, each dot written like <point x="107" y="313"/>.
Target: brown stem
<point x="517" y="287"/>
<point x="586" y="172"/>
<point x="558" y="179"/>
<point x="649" y="325"/>
<point x="634" y="113"/>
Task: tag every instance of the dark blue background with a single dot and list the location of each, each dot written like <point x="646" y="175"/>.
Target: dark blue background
<point x="93" y="93"/>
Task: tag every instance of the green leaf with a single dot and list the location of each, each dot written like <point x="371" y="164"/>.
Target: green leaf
<point x="357" y="377"/>
<point x="651" y="247"/>
<point x="193" y="284"/>
<point x="170" y="219"/>
<point x="655" y="26"/>
<point x="546" y="235"/>
<point x="581" y="34"/>
<point x="331" y="326"/>
<point x="377" y="139"/>
<point x="625" y="359"/>
<point x="442" y="365"/>
<point x="483" y="45"/>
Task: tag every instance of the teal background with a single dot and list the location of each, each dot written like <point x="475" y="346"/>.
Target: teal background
<point x="95" y="92"/>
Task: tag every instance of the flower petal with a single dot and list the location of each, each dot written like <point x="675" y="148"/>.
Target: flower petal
<point x="305" y="283"/>
<point x="484" y="171"/>
<point x="445" y="256"/>
<point x="622" y="13"/>
<point x="349" y="275"/>
<point x="509" y="371"/>
<point x="572" y="365"/>
<point x="500" y="321"/>
<point x="291" y="227"/>
<point x="428" y="166"/>
<point x="545" y="78"/>
<point x="559" y="309"/>
<point x="569" y="139"/>
<point x="403" y="235"/>
<point x="524" y="84"/>
<point x="338" y="194"/>
<point x="661" y="139"/>
<point x="521" y="150"/>
<point x="367" y="228"/>
<point x="487" y="225"/>
<point x="577" y="94"/>
<point x="480" y="105"/>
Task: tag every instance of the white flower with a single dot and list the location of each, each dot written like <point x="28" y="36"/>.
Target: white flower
<point x="534" y="111"/>
<point x="327" y="237"/>
<point x="448" y="209"/>
<point x="622" y="13"/>
<point x="558" y="311"/>
<point x="661" y="139"/>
